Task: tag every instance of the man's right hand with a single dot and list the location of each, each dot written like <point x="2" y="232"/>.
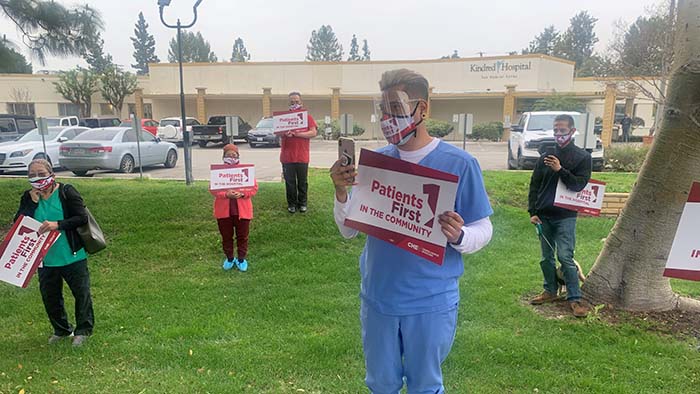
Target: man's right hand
<point x="343" y="177"/>
<point x="535" y="220"/>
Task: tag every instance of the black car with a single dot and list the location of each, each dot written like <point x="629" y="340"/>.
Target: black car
<point x="14" y="126"/>
<point x="215" y="131"/>
<point x="263" y="135"/>
<point x="94" y="123"/>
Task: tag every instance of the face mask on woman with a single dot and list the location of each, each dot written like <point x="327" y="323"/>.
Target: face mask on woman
<point x="294" y="107"/>
<point x="41" y="183"/>
<point x="232" y="161"/>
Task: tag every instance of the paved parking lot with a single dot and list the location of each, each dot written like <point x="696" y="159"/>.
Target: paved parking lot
<point x="491" y="156"/>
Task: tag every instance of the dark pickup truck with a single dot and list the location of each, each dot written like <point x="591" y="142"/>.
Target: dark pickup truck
<point x="216" y="131"/>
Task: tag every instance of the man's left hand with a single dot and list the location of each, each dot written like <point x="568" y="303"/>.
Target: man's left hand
<point x="451" y="225"/>
<point x="553" y="163"/>
<point x="48" y="226"/>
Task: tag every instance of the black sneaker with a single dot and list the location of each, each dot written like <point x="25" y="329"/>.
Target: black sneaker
<point x="291" y="209"/>
<point x="302" y="209"/>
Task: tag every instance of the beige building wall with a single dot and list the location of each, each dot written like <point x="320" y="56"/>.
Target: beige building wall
<point x="40" y="90"/>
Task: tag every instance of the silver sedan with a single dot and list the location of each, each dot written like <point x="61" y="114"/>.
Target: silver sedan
<point x="115" y="148"/>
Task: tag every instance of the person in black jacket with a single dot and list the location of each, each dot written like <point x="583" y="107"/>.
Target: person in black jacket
<point x="572" y="166"/>
<point x="60" y="207"/>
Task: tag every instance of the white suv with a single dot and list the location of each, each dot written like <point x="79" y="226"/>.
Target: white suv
<point x="533" y="131"/>
<point x="169" y="128"/>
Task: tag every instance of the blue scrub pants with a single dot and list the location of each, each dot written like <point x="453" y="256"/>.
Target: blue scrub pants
<point x="412" y="346"/>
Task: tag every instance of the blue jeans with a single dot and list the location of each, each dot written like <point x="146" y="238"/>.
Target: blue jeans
<point x="411" y="347"/>
<point x="561" y="234"/>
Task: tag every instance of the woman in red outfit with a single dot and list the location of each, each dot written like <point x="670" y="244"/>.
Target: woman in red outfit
<point x="233" y="209"/>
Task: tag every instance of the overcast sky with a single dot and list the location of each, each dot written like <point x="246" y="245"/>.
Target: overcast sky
<point x="279" y="30"/>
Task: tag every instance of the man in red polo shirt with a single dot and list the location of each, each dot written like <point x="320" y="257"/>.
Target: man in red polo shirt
<point x="295" y="159"/>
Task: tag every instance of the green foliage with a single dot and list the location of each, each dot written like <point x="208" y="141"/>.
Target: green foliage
<point x="144" y="47"/>
<point x="454" y="55"/>
<point x="49" y="28"/>
<point x="116" y="86"/>
<point x="544" y="42"/>
<point x="643" y="45"/>
<point x="354" y="50"/>
<point x="578" y="41"/>
<point x="625" y="158"/>
<point x="94" y="56"/>
<point x="365" y="51"/>
<point x="323" y="46"/>
<point x="239" y="52"/>
<point x="11" y="61"/>
<point x="438" y="128"/>
<point x="195" y="49"/>
<point x="78" y="86"/>
<point x="559" y="102"/>
<point x="492" y="131"/>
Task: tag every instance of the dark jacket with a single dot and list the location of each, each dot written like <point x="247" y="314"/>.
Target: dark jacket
<point x="74" y="213"/>
<point x="575" y="173"/>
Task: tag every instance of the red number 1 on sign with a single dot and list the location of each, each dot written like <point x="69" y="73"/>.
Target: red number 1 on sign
<point x="25" y="230"/>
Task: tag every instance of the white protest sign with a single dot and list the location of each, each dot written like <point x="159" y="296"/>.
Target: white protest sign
<point x="224" y="176"/>
<point x="22" y="250"/>
<point x="398" y="202"/>
<point x="286" y="121"/>
<point x="588" y="201"/>
<point x="684" y="258"/>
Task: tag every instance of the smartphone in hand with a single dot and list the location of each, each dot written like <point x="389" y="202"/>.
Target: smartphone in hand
<point x="549" y="150"/>
<point x="346" y="151"/>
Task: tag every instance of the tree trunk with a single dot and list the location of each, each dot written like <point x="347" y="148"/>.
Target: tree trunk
<point x="628" y="272"/>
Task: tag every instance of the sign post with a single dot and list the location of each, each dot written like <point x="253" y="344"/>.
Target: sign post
<point x="465" y="125"/>
<point x="43" y="131"/>
<point x="136" y="122"/>
<point x="346" y="124"/>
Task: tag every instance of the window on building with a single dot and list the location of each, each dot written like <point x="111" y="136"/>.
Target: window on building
<point x="21" y="109"/>
<point x="68" y="109"/>
<point x="106" y="109"/>
<point x="147" y="110"/>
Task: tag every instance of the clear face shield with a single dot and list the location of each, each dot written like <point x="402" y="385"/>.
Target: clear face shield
<point x="397" y="113"/>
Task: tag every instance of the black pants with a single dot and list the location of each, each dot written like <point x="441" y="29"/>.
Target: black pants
<point x="296" y="181"/>
<point x="77" y="277"/>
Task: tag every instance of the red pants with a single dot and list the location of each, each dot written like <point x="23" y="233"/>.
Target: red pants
<point x="241" y="227"/>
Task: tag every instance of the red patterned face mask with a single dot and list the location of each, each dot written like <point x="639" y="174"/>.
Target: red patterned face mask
<point x="41" y="183"/>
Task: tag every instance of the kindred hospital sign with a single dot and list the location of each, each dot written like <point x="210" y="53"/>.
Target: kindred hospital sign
<point x="499" y="69"/>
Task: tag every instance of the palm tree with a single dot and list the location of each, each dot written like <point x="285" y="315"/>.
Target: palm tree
<point x="49" y="28"/>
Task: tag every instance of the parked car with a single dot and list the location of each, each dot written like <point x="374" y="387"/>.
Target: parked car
<point x="14" y="126"/>
<point x="115" y="148"/>
<point x="533" y="131"/>
<point x="62" y="121"/>
<point x="149" y="125"/>
<point x="215" y="131"/>
<point x="263" y="134"/>
<point x="170" y="130"/>
<point x="100" y="122"/>
<point x="16" y="155"/>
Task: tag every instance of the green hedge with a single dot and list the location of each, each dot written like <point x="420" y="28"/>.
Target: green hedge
<point x="438" y="128"/>
<point x="492" y="131"/>
<point x="625" y="158"/>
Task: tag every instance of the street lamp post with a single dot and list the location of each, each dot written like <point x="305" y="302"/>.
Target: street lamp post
<point x="186" y="138"/>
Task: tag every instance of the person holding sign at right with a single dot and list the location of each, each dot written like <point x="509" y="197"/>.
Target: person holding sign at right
<point x="557" y="226"/>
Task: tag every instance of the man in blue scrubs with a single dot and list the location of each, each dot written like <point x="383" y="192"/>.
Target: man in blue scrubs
<point x="409" y="304"/>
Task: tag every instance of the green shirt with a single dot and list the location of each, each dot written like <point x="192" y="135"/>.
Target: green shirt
<point x="60" y="253"/>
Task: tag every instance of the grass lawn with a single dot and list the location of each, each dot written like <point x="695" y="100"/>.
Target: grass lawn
<point x="169" y="320"/>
